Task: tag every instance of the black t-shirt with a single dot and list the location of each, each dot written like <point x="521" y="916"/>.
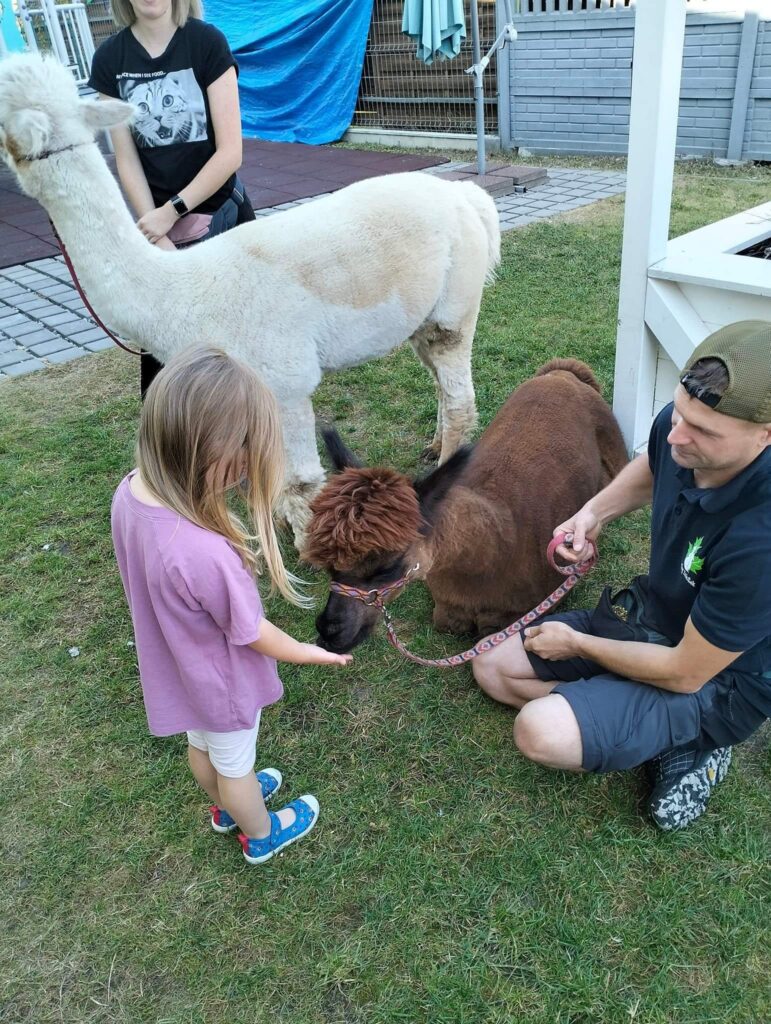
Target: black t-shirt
<point x="173" y="130"/>
<point x="711" y="554"/>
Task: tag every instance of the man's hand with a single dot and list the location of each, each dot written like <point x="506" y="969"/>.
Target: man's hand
<point x="318" y="656"/>
<point x="583" y="526"/>
<point x="157" y="223"/>
<point x="552" y="641"/>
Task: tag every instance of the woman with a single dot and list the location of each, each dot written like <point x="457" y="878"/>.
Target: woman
<point x="182" y="152"/>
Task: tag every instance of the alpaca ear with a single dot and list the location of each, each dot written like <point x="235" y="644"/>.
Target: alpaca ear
<point x="100" y="114"/>
<point x="27" y="133"/>
<point x="432" y="489"/>
<point x="342" y="457"/>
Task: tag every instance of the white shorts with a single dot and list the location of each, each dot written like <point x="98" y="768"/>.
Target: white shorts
<point x="232" y="754"/>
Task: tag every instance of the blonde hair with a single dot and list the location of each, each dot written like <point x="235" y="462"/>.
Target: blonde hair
<point x="123" y="13"/>
<point x="208" y="423"/>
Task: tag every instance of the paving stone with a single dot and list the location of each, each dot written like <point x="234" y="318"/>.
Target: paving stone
<point x="28" y="366"/>
<point x="30" y="304"/>
<point x="54" y="319"/>
<point x="14" y="273"/>
<point x="21" y="331"/>
<point x="46" y="308"/>
<point x="75" y="327"/>
<point x="12" y="321"/>
<point x="15" y="356"/>
<point x="29" y="285"/>
<point x="61" y="273"/>
<point x="95" y="334"/>
<point x="44" y="264"/>
<point x="52" y="287"/>
<point x="100" y="344"/>
<point x="7" y="345"/>
<point x="45" y="348"/>
<point x="67" y="355"/>
<point x="37" y="337"/>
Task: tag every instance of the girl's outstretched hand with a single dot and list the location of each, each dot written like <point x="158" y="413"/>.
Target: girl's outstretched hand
<point x="279" y="645"/>
<point x="318" y="656"/>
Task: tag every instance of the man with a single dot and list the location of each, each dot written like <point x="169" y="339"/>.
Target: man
<point x="677" y="668"/>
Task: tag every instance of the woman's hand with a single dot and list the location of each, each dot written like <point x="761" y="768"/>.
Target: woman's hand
<point x="318" y="656"/>
<point x="157" y="223"/>
<point x="165" y="243"/>
<point x="552" y="641"/>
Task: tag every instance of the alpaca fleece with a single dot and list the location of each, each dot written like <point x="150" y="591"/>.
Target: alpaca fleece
<point x="322" y="287"/>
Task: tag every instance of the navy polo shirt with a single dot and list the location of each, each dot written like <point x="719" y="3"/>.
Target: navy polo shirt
<point x="711" y="555"/>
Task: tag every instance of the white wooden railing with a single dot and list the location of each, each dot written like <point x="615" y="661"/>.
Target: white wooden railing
<point x="62" y="28"/>
<point x="532" y="8"/>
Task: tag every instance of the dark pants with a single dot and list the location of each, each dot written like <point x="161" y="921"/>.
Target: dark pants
<point x="624" y="723"/>
<point x="234" y="211"/>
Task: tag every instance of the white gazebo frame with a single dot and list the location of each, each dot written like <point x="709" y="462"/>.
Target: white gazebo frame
<point x="674" y="294"/>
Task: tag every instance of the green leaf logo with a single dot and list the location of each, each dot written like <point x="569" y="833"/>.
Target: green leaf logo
<point x="692" y="563"/>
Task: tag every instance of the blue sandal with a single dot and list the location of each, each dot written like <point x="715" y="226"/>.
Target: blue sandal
<point x="270" y="780"/>
<point x="306" y="809"/>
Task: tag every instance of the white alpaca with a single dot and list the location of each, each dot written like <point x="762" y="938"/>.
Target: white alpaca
<point x="322" y="287"/>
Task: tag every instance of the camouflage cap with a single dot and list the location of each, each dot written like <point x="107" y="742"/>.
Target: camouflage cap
<point x="745" y="350"/>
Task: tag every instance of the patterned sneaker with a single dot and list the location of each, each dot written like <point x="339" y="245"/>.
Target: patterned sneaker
<point x="257" y="851"/>
<point x="270" y="780"/>
<point x="683" y="784"/>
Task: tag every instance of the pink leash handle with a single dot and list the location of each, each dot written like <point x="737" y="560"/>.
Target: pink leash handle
<point x="570" y="568"/>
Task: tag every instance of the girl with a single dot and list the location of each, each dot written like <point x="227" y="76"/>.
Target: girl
<point x="184" y="148"/>
<point x="207" y="655"/>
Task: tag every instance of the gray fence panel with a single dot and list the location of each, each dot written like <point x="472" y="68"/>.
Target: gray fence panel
<point x="570" y="83"/>
<point x="757" y="134"/>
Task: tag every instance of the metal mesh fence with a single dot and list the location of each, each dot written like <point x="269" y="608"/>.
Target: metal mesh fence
<point x="400" y="92"/>
<point x="100" y="20"/>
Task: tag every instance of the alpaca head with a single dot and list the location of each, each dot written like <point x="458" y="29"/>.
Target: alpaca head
<point x="41" y="114"/>
<point x="365" y="528"/>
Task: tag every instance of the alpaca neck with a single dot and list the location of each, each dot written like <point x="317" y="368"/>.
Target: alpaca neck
<point x="121" y="273"/>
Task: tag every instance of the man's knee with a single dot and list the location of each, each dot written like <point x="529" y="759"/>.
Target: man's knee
<point x="490" y="673"/>
<point x="487" y="671"/>
<point x="546" y="731"/>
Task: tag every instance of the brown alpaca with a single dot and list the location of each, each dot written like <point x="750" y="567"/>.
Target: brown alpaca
<point x="479" y="525"/>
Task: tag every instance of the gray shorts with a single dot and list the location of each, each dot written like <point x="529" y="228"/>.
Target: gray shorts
<point x="624" y="723"/>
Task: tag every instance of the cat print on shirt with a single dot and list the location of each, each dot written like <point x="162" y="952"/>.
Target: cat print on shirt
<point x="170" y="108"/>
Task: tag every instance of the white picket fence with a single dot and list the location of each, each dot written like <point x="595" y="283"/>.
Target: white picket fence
<point x="63" y="29"/>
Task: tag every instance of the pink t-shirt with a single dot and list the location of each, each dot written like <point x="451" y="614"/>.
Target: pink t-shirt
<point x="195" y="610"/>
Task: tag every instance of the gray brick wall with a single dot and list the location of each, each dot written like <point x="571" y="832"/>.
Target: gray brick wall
<point x="570" y="84"/>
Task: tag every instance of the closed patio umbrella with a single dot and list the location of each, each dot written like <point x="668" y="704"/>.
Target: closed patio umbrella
<point x="438" y="27"/>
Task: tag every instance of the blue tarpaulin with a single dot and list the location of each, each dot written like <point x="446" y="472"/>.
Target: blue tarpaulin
<point x="437" y="26"/>
<point x="9" y="30"/>
<point x="300" y="64"/>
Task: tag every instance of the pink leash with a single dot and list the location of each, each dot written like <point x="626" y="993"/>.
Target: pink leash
<point x="82" y="294"/>
<point x="574" y="574"/>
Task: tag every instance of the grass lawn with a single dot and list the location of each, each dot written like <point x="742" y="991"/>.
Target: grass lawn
<point x="449" y="880"/>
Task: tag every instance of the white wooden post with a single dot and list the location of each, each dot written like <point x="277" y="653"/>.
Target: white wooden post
<point x="55" y="33"/>
<point x="658" y="55"/>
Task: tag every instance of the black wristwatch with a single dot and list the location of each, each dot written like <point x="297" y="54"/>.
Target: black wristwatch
<point x="179" y="205"/>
